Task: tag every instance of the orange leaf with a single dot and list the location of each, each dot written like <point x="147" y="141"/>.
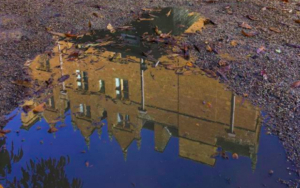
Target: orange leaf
<point x="208" y="48"/>
<point x="245" y="25"/>
<point x="235" y="156"/>
<point x="189" y="64"/>
<point x="275" y="29"/>
<point x="295" y="84"/>
<point x="5" y="131"/>
<point x="52" y="130"/>
<point x="253" y="18"/>
<point x="39" y="108"/>
<point x="249" y="34"/>
<point x="70" y="35"/>
<point x="234" y="43"/>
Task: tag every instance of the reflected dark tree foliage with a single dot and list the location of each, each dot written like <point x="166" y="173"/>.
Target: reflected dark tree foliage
<point x="7" y="158"/>
<point x="45" y="173"/>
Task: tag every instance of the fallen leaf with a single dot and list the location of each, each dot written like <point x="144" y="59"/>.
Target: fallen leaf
<point x="249" y="34"/>
<point x="52" y="130"/>
<point x="297" y="21"/>
<point x="70" y="35"/>
<point x="189" y="64"/>
<point x="5" y="131"/>
<point x="253" y="18"/>
<point x="95" y="14"/>
<point x="62" y="34"/>
<point x="111" y="28"/>
<point x="295" y="84"/>
<point x="209" y="105"/>
<point x="168" y="14"/>
<point x="234" y="43"/>
<point x="106" y="43"/>
<point x="208" y="48"/>
<point x="146" y="19"/>
<point x="158" y="32"/>
<point x="274" y="29"/>
<point x="235" y="156"/>
<point x="22" y="83"/>
<point x="39" y="108"/>
<point x="90" y="25"/>
<point x="245" y="25"/>
<point x="223" y="63"/>
<point x="261" y="49"/>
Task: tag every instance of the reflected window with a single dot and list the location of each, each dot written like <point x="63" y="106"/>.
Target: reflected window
<point x="85" y="111"/>
<point x="122" y="89"/>
<point x="82" y="80"/>
<point x="123" y="120"/>
<point x="44" y="63"/>
<point x="50" y="102"/>
<point x="101" y="86"/>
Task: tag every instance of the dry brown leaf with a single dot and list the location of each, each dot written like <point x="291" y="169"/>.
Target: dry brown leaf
<point x="151" y="9"/>
<point x="295" y="84"/>
<point x="297" y="21"/>
<point x="70" y="35"/>
<point x="274" y="29"/>
<point x="62" y="34"/>
<point x="105" y="43"/>
<point x="22" y="83"/>
<point x="168" y="14"/>
<point x="223" y="63"/>
<point x="234" y="43"/>
<point x="5" y="131"/>
<point x="52" y="130"/>
<point x="235" y="156"/>
<point x="90" y="25"/>
<point x="245" y="25"/>
<point x="95" y="14"/>
<point x="208" y="48"/>
<point x="110" y="28"/>
<point x="253" y="18"/>
<point x="146" y="19"/>
<point x="249" y="34"/>
<point x="39" y="108"/>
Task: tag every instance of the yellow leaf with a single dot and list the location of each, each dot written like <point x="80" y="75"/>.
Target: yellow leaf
<point x="168" y="14"/>
<point x="111" y="28"/>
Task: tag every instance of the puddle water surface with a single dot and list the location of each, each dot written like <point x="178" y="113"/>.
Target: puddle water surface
<point x="107" y="112"/>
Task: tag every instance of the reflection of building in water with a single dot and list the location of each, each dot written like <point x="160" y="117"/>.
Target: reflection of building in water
<point x="196" y="109"/>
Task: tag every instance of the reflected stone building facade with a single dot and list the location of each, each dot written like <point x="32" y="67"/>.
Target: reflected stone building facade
<point x="195" y="109"/>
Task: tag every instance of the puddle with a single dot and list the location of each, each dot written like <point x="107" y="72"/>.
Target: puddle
<point x="117" y="115"/>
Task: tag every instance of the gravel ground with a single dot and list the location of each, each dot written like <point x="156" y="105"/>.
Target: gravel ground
<point x="260" y="67"/>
